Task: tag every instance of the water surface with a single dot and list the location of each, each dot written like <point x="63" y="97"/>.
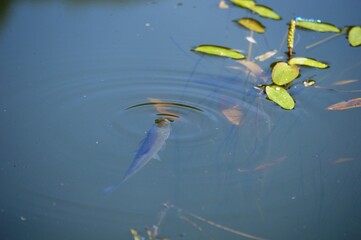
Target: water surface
<point x="69" y="70"/>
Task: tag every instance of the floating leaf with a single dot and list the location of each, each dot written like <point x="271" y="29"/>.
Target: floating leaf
<point x="266" y="12"/>
<point x="307" y="62"/>
<point x="219" y="51"/>
<point x="261" y="10"/>
<point x="354" y="36"/>
<point x="352" y="103"/>
<point x="252" y="24"/>
<point x="280" y="96"/>
<point x="233" y="114"/>
<point x="283" y="73"/>
<point x="317" y="26"/>
<point x="244" y="3"/>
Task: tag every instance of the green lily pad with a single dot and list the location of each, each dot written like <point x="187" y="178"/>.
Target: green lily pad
<point x="265" y="12"/>
<point x="354" y="36"/>
<point x="244" y="3"/>
<point x="252" y="24"/>
<point x="280" y="96"/>
<point x="283" y="73"/>
<point x="317" y="26"/>
<point x="307" y="62"/>
<point x="219" y="51"/>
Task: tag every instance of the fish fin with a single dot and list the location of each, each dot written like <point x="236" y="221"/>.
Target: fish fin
<point x="156" y="156"/>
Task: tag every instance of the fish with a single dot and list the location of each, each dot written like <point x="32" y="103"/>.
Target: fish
<point x="150" y="146"/>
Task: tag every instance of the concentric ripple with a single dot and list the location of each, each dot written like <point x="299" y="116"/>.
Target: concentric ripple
<point x="101" y="101"/>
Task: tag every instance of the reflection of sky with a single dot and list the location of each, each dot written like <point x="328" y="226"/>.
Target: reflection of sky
<point x="54" y="55"/>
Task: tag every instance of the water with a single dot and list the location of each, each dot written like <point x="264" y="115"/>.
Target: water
<point x="68" y="72"/>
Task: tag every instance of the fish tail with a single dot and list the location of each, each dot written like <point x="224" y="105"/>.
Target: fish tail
<point x="109" y="190"/>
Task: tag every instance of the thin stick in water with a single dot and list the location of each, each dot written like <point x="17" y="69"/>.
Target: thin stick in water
<point x="250" y="48"/>
<point x="239" y="233"/>
<point x="323" y="40"/>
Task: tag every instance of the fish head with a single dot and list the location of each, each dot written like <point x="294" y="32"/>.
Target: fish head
<point x="162" y="122"/>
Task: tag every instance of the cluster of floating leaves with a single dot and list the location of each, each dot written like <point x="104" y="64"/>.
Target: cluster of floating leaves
<point x="261" y="10"/>
<point x="283" y="73"/>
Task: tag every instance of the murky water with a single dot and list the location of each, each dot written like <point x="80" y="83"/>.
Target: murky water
<point x="69" y="71"/>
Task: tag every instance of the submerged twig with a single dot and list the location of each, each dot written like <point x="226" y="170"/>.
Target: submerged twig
<point x="323" y="40"/>
<point x="250" y="48"/>
<point x="199" y="228"/>
<point x="239" y="233"/>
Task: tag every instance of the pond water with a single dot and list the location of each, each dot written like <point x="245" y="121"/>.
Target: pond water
<point x="70" y="69"/>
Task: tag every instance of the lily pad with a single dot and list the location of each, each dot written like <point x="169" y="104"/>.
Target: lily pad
<point x="354" y="36"/>
<point x="252" y="24"/>
<point x="283" y="73"/>
<point x="280" y="96"/>
<point x="265" y="12"/>
<point x="308" y="62"/>
<point x="244" y="3"/>
<point x="317" y="26"/>
<point x="219" y="51"/>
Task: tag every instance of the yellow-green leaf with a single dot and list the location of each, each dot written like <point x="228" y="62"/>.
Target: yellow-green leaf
<point x="135" y="234"/>
<point x="283" y="73"/>
<point x="354" y="36"/>
<point x="280" y="96"/>
<point x="317" y="26"/>
<point x="219" y="51"/>
<point x="307" y="62"/>
<point x="244" y="3"/>
<point x="252" y="24"/>
<point x="351" y="103"/>
<point x="266" y="12"/>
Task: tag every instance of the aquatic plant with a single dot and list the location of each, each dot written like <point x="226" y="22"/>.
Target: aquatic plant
<point x="283" y="73"/>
